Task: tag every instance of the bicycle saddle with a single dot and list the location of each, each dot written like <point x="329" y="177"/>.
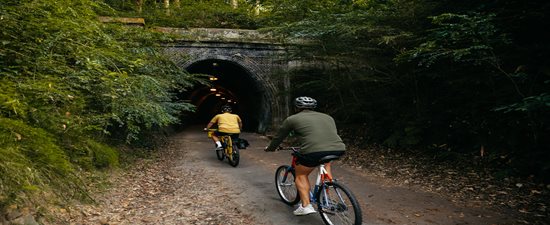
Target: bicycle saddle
<point x="328" y="158"/>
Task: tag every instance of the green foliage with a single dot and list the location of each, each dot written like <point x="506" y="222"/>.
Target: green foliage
<point x="459" y="38"/>
<point x="68" y="85"/>
<point x="205" y="13"/>
<point x="414" y="73"/>
<point x="31" y="161"/>
<point x="281" y="12"/>
<point x="407" y="136"/>
<point x="99" y="75"/>
<point x="420" y="73"/>
<point x="529" y="104"/>
<point x="90" y="154"/>
<point x="10" y="99"/>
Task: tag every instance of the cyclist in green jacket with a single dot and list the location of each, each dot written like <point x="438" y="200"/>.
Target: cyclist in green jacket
<point x="318" y="136"/>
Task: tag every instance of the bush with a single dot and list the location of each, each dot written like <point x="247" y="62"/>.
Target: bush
<point x="31" y="161"/>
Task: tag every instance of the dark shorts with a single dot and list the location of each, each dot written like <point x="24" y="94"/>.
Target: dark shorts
<point x="312" y="159"/>
<point x="233" y="136"/>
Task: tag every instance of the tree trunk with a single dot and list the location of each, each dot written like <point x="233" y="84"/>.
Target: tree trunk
<point x="257" y="8"/>
<point x="139" y="5"/>
<point x="167" y="6"/>
<point x="234" y="4"/>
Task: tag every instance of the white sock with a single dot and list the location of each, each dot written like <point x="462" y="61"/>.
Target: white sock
<point x="218" y="143"/>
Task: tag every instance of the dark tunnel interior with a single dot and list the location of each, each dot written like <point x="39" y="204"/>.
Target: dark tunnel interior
<point x="230" y="84"/>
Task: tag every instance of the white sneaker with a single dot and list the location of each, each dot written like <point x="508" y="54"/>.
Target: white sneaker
<point x="301" y="211"/>
<point x="218" y="148"/>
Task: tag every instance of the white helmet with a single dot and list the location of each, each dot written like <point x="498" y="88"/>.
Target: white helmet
<point x="305" y="102"/>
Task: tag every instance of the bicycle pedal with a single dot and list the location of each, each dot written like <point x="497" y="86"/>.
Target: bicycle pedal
<point x="327" y="209"/>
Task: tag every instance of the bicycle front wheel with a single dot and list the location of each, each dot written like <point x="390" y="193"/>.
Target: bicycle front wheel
<point x="220" y="154"/>
<point x="284" y="181"/>
<point x="234" y="156"/>
<point x="337" y="205"/>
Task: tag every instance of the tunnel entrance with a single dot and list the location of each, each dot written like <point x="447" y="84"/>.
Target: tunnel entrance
<point x="230" y="84"/>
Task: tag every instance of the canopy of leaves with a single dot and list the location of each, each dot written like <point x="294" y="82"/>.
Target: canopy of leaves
<point x="203" y="13"/>
<point x="70" y="84"/>
<point x="449" y="75"/>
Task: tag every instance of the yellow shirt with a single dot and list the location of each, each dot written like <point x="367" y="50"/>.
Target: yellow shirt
<point x="227" y="123"/>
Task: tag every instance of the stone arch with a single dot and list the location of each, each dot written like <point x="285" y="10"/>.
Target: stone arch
<point x="269" y="107"/>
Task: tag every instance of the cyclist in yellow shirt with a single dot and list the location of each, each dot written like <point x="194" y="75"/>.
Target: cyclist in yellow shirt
<point x="228" y="123"/>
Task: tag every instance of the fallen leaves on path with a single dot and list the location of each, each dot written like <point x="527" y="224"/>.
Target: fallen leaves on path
<point x="465" y="185"/>
<point x="163" y="190"/>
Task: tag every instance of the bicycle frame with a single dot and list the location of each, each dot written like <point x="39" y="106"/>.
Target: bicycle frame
<point x="226" y="140"/>
<point x="334" y="201"/>
<point x="229" y="149"/>
<point x="227" y="143"/>
<point x="322" y="176"/>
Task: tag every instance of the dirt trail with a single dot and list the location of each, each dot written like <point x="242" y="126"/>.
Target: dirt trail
<point x="188" y="185"/>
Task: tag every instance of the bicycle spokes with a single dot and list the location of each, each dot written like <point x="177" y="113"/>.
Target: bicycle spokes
<point x="286" y="188"/>
<point x="338" y="206"/>
<point x="229" y="150"/>
<point x="335" y="202"/>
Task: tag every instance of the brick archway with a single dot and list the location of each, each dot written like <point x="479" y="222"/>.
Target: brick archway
<point x="261" y="64"/>
<point x="256" y="95"/>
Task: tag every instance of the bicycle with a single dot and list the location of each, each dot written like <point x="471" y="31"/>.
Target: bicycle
<point x="335" y="202"/>
<point x="229" y="149"/>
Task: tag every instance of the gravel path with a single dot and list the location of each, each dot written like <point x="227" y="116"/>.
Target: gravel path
<point x="186" y="184"/>
<point x="170" y="189"/>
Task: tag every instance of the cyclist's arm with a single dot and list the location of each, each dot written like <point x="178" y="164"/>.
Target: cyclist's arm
<point x="284" y="130"/>
<point x="209" y="125"/>
<point x="240" y="123"/>
<point x="212" y="122"/>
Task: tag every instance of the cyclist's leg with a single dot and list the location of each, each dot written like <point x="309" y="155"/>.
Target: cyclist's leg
<point x="216" y="137"/>
<point x="327" y="168"/>
<point x="217" y="142"/>
<point x="302" y="182"/>
<point x="327" y="165"/>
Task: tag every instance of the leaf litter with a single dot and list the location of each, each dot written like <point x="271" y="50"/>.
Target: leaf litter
<point x="466" y="184"/>
<point x="160" y="191"/>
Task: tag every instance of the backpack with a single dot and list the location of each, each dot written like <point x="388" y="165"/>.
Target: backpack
<point x="242" y="143"/>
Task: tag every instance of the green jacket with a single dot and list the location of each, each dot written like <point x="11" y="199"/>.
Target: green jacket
<point x="316" y="132"/>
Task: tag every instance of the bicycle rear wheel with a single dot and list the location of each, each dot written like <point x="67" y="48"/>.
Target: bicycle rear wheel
<point x="286" y="188"/>
<point x="337" y="205"/>
<point x="234" y="157"/>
